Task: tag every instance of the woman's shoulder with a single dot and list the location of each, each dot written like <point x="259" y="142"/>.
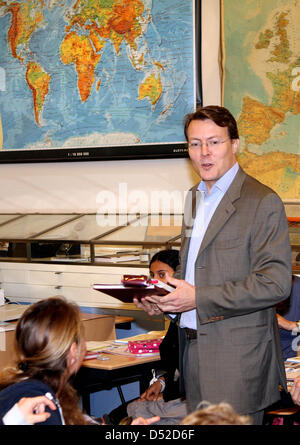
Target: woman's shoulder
<point x="28" y="385"/>
<point x="26" y="388"/>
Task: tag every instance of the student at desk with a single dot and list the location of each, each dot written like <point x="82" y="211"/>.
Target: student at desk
<point x="50" y="347"/>
<point x="162" y="398"/>
<point x="288" y="315"/>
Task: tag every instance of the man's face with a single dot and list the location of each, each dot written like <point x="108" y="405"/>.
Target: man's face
<point x="215" y="153"/>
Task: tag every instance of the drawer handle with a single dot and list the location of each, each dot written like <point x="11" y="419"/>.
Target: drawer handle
<point x="57" y="273"/>
<point x="58" y="287"/>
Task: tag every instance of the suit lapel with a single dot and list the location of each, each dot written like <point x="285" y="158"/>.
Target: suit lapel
<point x="224" y="210"/>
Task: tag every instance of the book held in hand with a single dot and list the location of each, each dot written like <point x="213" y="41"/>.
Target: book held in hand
<point x="134" y="286"/>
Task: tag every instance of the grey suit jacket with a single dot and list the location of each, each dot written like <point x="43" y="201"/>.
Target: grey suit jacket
<point x="242" y="270"/>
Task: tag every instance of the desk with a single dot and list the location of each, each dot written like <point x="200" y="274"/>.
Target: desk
<point x="98" y="327"/>
<point x="11" y="311"/>
<point x="96" y="375"/>
<point x="117" y="361"/>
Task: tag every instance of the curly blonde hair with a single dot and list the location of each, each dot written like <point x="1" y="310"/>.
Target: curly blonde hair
<point x="219" y="414"/>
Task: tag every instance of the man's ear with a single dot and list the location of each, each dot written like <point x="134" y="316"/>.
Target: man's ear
<point x="235" y="145"/>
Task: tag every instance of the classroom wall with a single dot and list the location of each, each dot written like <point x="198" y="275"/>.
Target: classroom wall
<point x="75" y="186"/>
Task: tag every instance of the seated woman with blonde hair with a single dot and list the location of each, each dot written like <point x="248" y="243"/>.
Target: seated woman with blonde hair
<point x="49" y="347"/>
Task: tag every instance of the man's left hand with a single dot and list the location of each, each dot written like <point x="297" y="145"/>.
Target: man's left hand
<point x="182" y="299"/>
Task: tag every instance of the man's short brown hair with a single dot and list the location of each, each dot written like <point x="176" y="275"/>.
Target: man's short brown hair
<point x="219" y="115"/>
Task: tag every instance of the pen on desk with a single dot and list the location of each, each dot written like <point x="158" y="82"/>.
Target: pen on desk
<point x="92" y="356"/>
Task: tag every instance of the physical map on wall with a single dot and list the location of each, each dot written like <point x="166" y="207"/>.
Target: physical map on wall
<point x="93" y="73"/>
<point x="262" y="88"/>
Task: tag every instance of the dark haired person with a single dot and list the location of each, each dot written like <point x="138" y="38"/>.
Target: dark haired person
<point x="235" y="266"/>
<point x="163" y="397"/>
<point x="288" y="315"/>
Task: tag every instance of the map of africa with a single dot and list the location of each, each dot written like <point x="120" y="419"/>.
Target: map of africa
<point x="93" y="73"/>
<point x="262" y="88"/>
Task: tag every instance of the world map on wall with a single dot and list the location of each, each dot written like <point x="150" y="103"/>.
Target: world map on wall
<point x="262" y="88"/>
<point x="92" y="73"/>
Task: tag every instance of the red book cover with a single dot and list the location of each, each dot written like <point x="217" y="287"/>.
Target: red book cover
<point x="126" y="292"/>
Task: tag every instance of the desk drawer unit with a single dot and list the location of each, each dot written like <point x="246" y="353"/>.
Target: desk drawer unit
<point x="29" y="282"/>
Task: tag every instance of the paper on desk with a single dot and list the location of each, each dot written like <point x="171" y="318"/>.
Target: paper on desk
<point x="123" y="350"/>
<point x="111" y="347"/>
<point x="120" y="346"/>
<point x="98" y="345"/>
<point x="292" y="370"/>
<point x="294" y="359"/>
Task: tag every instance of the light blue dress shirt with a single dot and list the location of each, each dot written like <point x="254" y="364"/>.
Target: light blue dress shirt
<point x="206" y="208"/>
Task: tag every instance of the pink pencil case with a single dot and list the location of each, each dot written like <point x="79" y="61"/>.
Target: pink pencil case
<point x="144" y="346"/>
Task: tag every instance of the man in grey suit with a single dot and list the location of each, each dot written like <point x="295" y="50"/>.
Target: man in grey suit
<point x="235" y="266"/>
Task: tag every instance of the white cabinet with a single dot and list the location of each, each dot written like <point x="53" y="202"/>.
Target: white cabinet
<point x="29" y="282"/>
<point x="42" y="255"/>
